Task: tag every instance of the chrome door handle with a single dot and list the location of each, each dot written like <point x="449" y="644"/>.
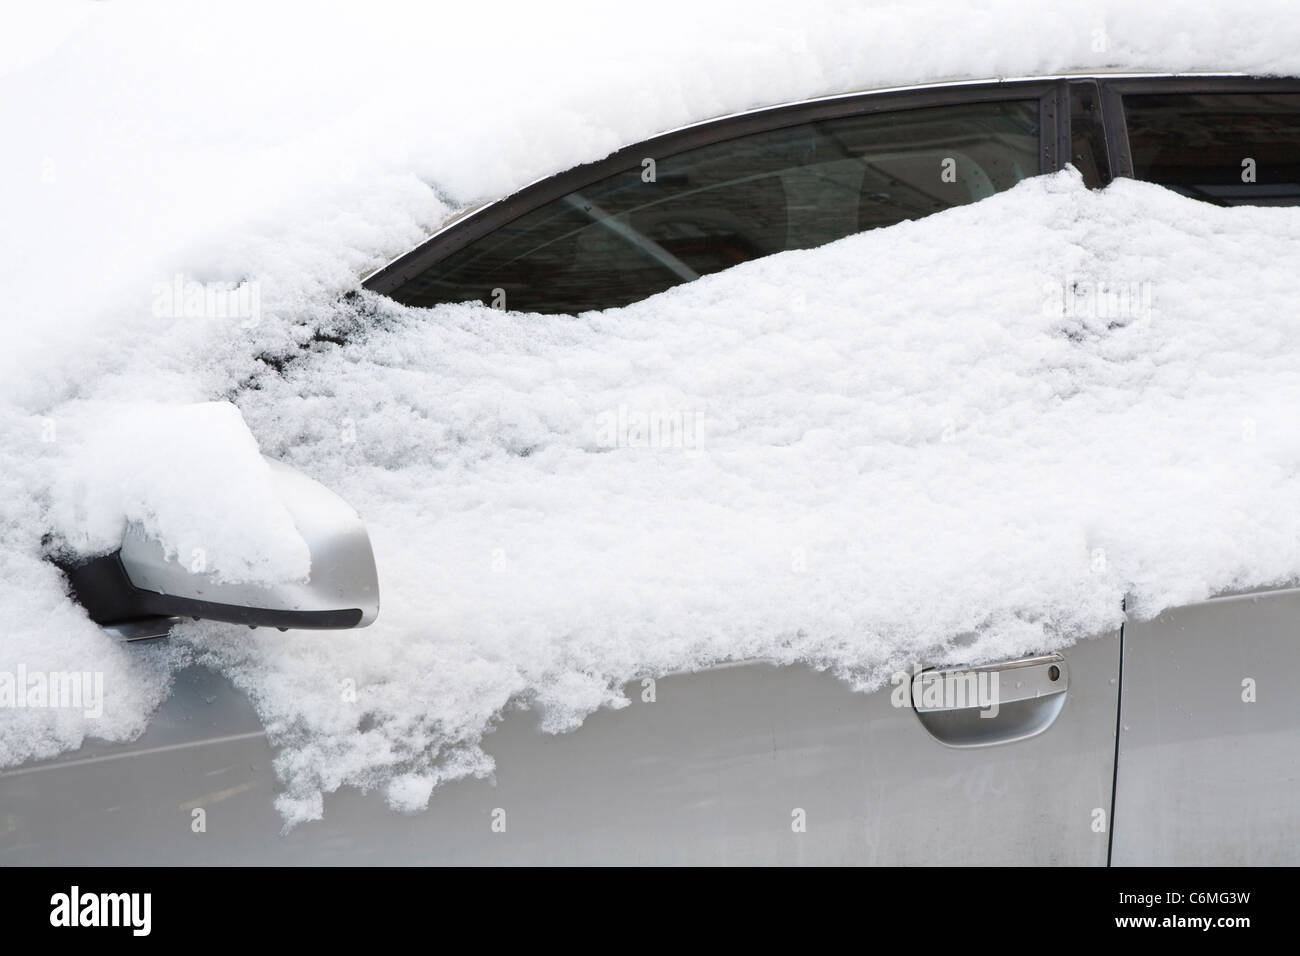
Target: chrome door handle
<point x="991" y="703"/>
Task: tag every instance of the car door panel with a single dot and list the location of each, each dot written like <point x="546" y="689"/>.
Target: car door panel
<point x="720" y="768"/>
<point x="1209" y="766"/>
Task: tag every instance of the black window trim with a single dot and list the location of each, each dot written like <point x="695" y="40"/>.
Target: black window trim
<point x="1079" y="92"/>
<point x="479" y="222"/>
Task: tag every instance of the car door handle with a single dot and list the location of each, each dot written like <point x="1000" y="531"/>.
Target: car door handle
<point x="990" y="703"/>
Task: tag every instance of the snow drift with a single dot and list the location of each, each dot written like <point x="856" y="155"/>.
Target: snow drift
<point x="974" y="435"/>
<point x="968" y="437"/>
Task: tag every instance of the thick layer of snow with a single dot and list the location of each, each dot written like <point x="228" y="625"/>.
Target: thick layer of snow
<point x="922" y="441"/>
<point x="189" y="475"/>
<point x="846" y="471"/>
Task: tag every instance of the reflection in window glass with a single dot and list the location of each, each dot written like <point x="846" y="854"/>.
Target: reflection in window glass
<point x="622" y="239"/>
<point x="1200" y="145"/>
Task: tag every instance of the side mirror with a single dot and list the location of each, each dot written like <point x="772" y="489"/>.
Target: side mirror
<point x="138" y="593"/>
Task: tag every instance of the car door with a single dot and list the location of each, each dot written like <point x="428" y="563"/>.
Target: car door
<point x="1209" y="756"/>
<point x="1011" y="763"/>
<point x="943" y="785"/>
<point x="1209" y="746"/>
<point x="744" y="764"/>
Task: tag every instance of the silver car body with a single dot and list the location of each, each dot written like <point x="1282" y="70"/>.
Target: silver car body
<point x="752" y="764"/>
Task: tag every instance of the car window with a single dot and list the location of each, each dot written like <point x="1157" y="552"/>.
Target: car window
<point x="1226" y="148"/>
<point x="671" y="219"/>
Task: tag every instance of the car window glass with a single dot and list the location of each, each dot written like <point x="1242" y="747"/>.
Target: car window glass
<point x="1226" y="148"/>
<point x="641" y="231"/>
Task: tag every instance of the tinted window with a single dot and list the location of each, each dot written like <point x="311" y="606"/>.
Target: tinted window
<point x="633" y="234"/>
<point x="1197" y="144"/>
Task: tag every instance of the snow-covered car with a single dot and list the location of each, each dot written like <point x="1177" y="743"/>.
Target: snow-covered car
<point x="1155" y="740"/>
